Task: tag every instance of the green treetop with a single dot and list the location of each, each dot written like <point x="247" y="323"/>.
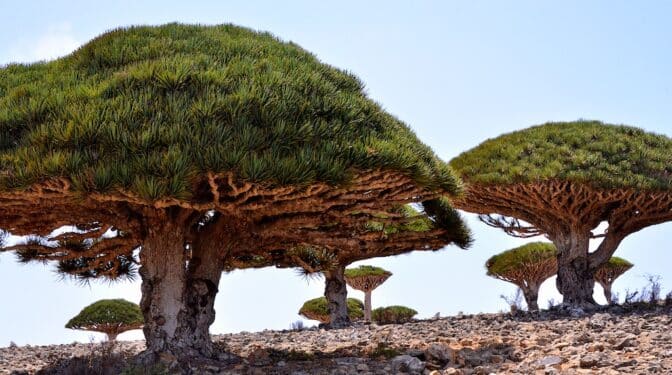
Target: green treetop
<point x="590" y="152"/>
<point x="196" y="144"/>
<point x="609" y="272"/>
<point x="318" y="309"/>
<point x="110" y="316"/>
<point x="526" y="266"/>
<point x="509" y="261"/>
<point x="150" y="111"/>
<point x="563" y="180"/>
<point x="366" y="271"/>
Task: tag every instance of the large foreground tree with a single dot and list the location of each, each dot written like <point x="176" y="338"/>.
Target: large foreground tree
<point x="192" y="145"/>
<point x="563" y="180"/>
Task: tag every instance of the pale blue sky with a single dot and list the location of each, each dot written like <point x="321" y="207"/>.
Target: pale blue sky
<point x="456" y="72"/>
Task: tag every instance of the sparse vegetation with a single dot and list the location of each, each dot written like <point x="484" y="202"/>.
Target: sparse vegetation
<point x="384" y="350"/>
<point x="297" y="326"/>
<point x="515" y="301"/>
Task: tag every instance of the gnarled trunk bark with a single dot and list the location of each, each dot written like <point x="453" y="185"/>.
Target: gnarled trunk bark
<point x="336" y="293"/>
<point x="575" y="280"/>
<point x="178" y="294"/>
<point x="367" y="306"/>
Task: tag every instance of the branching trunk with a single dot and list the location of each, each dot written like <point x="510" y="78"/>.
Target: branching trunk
<point x="336" y="294"/>
<point x="575" y="279"/>
<point x="178" y="293"/>
<point x="367" y="306"/>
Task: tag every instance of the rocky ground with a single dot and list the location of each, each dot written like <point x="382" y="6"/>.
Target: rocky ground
<point x="609" y="342"/>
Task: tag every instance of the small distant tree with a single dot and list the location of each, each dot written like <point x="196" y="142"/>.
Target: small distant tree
<point x="109" y="316"/>
<point x="527" y="266"/>
<point x="366" y="279"/>
<point x="609" y="272"/>
<point x="318" y="309"/>
<point x="393" y="315"/>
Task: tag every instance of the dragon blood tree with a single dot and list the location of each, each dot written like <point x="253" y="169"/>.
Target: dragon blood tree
<point x="191" y="145"/>
<point x="109" y="316"/>
<point x="527" y="266"/>
<point x="563" y="180"/>
<point x="609" y="272"/>
<point x="318" y="309"/>
<point x="366" y="279"/>
<point x="399" y="230"/>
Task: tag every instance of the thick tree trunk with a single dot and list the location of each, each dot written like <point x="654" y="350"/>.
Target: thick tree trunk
<point x="531" y="294"/>
<point x="112" y="336"/>
<point x="178" y="294"/>
<point x="575" y="280"/>
<point x="336" y="293"/>
<point x="367" y="306"/>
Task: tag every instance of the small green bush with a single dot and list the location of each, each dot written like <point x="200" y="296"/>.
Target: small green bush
<point x="393" y="315"/>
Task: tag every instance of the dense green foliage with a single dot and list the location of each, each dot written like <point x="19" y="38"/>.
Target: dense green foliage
<point x="363" y="271"/>
<point x="319" y="306"/>
<point x="107" y="311"/>
<point x="393" y="315"/>
<point x="151" y="109"/>
<point x="603" y="155"/>
<point x="443" y="215"/>
<point x="510" y="260"/>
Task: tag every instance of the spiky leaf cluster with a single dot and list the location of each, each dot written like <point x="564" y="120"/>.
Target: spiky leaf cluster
<point x="107" y="311"/>
<point x="150" y="110"/>
<point x="442" y="215"/>
<point x="438" y="214"/>
<point x="591" y="152"/>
